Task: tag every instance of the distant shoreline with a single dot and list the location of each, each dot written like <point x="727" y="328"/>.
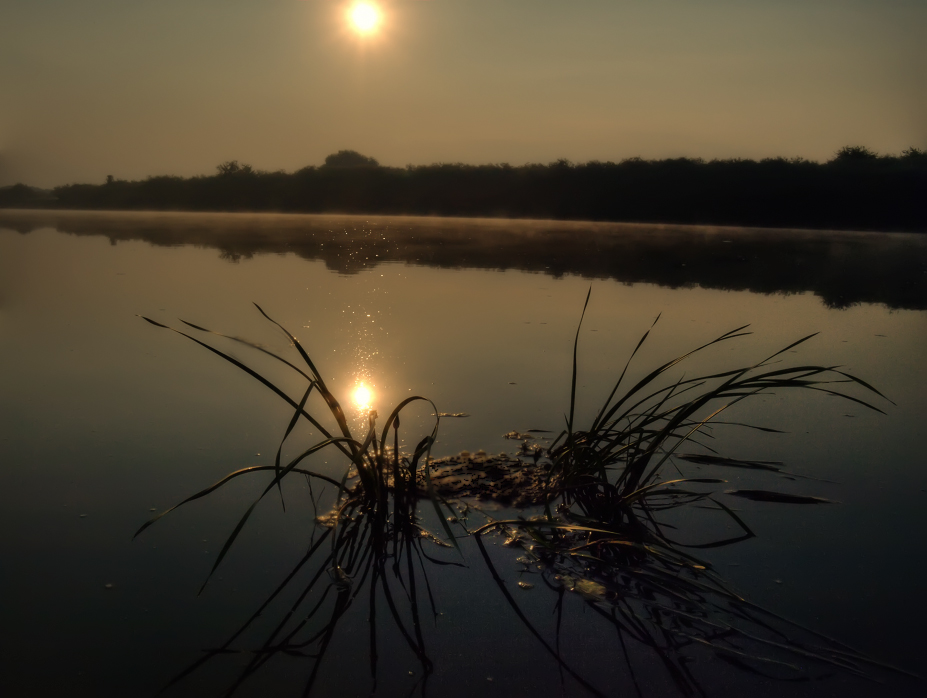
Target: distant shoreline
<point x="855" y="191"/>
<point x="842" y="268"/>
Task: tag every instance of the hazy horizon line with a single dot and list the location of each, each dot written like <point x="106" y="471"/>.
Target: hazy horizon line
<point x="868" y="154"/>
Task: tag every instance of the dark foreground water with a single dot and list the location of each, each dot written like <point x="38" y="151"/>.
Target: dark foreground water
<point x="106" y="420"/>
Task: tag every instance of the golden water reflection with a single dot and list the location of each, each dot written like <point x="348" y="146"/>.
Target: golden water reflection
<point x="363" y="397"/>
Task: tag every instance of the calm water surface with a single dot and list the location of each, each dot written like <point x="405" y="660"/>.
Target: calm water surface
<point x="105" y="418"/>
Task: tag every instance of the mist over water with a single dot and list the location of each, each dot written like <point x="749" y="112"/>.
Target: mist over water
<point x="842" y="268"/>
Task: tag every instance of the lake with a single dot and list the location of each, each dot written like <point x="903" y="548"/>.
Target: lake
<point x="107" y="420"/>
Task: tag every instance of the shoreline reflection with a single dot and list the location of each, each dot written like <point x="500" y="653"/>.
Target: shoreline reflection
<point x="841" y="268"/>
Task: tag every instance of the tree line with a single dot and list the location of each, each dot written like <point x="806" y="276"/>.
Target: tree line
<point x="856" y="189"/>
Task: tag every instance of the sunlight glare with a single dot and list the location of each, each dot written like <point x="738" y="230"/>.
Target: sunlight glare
<point x="362" y="396"/>
<point x="365" y="17"/>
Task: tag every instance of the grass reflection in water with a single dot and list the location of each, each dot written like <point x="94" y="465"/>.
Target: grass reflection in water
<point x="598" y="533"/>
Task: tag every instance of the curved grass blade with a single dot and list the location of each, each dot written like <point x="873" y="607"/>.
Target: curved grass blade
<point x="289" y="429"/>
<point x="780" y="497"/>
<point x="231" y="539"/>
<point x="253" y="345"/>
<point x="333" y="404"/>
<point x="598" y="420"/>
<point x="254" y="374"/>
<point x="643" y="491"/>
<point x="774" y="466"/>
<point x="649" y="378"/>
<point x="575" y="351"/>
<point x="217" y="485"/>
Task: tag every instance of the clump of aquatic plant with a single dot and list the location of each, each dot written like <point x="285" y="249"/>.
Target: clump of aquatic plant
<point x="623" y="453"/>
<point x="384" y="476"/>
<point x="604" y="536"/>
<point x="369" y="522"/>
<point x="610" y="482"/>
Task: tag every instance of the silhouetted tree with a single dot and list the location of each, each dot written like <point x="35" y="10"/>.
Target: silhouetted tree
<point x="350" y="158"/>
<point x="21" y="195"/>
<point x="232" y="168"/>
<point x="855" y="152"/>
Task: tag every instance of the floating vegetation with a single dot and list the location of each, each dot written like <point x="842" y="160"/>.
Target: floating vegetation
<point x="598" y="533"/>
<point x="516" y="436"/>
<point x="503" y="479"/>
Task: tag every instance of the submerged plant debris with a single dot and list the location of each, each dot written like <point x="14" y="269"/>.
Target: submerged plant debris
<point x="502" y="478"/>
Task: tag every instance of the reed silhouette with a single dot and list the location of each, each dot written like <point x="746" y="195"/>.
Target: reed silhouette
<point x="598" y="540"/>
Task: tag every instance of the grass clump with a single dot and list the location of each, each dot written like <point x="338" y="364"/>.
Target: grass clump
<point x="605" y="539"/>
<point x="369" y="539"/>
<point x="601" y="536"/>
<point x="636" y="433"/>
<point x="386" y="478"/>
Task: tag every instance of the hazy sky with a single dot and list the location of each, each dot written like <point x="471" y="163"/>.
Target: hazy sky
<point x="134" y="88"/>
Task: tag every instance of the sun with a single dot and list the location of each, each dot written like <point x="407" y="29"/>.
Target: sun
<point x="365" y="17"/>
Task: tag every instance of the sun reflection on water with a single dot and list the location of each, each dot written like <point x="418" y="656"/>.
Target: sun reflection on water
<point x="363" y="397"/>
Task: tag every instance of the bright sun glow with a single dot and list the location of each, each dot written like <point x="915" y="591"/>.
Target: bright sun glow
<point x="365" y="17"/>
<point x="362" y="396"/>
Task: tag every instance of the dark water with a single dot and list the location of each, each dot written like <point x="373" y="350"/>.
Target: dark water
<point x="104" y="417"/>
